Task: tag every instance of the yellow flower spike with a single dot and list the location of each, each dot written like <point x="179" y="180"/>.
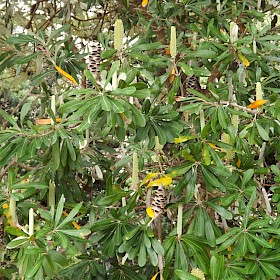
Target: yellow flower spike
<point x="257" y="104"/>
<point x="173" y="42"/>
<point x="150" y="212"/>
<point x="244" y="60"/>
<point x="164" y="181"/>
<point x="259" y="92"/>
<point x="233" y="31"/>
<point x="145" y="3"/>
<point x="66" y="75"/>
<point x="118" y="35"/>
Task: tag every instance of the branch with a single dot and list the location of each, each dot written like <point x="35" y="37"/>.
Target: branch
<point x="240" y="107"/>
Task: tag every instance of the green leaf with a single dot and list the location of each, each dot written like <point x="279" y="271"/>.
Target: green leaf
<point x="186" y="68"/>
<point x="80" y="233"/>
<point x="200" y="54"/>
<point x="146" y="47"/>
<point x="106" y="103"/>
<point x="90" y="77"/>
<point x="247" y="177"/>
<point x="59" y="210"/>
<point x="71" y="149"/>
<point x="8" y="118"/>
<point x="24" y="111"/>
<point x="183" y="275"/>
<point x="157" y="247"/>
<point x="262" y="132"/>
<point x="142" y="255"/>
<point x="137" y="116"/>
<point x="70" y="216"/>
<point x="270" y="270"/>
<point x="17" y="242"/>
<point x="117" y="106"/>
<point x="36" y="185"/>
<point x="56" y="155"/>
<point x="153" y="256"/>
<point x="40" y="77"/>
<point x="35" y="267"/>
<point x="24" y="59"/>
<point x="56" y="32"/>
<point x="216" y="267"/>
<point x="220" y="210"/>
<point x="21" y="39"/>
<point x="206" y="155"/>
<point x="248" y="209"/>
<point x="115" y="66"/>
<point x="261" y="241"/>
<point x="72" y="106"/>
<point x="211" y="178"/>
<point x="127" y="91"/>
<point x="223" y="121"/>
<point x="132" y="233"/>
<point x="22" y="150"/>
<point x="209" y="233"/>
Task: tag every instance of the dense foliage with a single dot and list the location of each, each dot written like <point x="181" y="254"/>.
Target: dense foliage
<point x="167" y="167"/>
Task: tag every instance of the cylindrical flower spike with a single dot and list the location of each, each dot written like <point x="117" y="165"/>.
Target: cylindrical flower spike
<point x="13" y="215"/>
<point x="135" y="171"/>
<point x="173" y="43"/>
<point x="233" y="32"/>
<point x="259" y="93"/>
<point x="51" y="193"/>
<point x="31" y="221"/>
<point x="118" y="35"/>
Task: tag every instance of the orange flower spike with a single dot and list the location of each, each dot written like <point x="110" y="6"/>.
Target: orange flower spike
<point x="66" y="75"/>
<point x="167" y="51"/>
<point x="257" y="104"/>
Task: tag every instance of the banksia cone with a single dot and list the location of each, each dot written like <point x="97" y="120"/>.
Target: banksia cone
<point x="157" y="205"/>
<point x="94" y="61"/>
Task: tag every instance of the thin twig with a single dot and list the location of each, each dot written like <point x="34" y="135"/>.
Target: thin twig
<point x="239" y="107"/>
<point x="5" y="169"/>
